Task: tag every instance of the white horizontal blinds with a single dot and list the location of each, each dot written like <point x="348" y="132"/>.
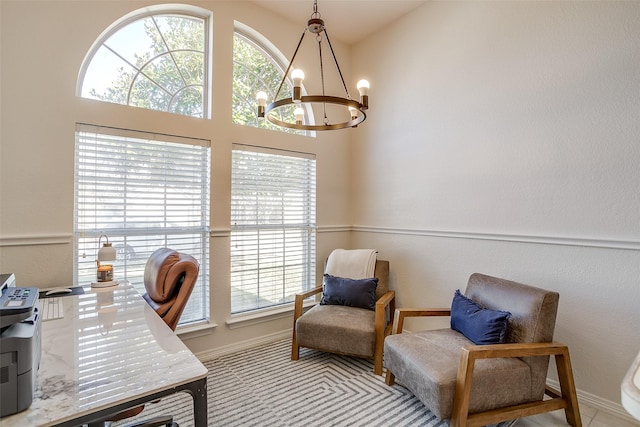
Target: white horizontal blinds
<point x="143" y="191"/>
<point x="273" y="226"/>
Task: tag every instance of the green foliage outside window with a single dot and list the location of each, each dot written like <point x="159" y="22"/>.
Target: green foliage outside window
<point x="254" y="70"/>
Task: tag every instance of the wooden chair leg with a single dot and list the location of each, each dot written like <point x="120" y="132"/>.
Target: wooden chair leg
<point x="295" y="348"/>
<point x="389" y="379"/>
<point x="380" y="331"/>
<point x="462" y="395"/>
<point x="568" y="388"/>
<point x="377" y="363"/>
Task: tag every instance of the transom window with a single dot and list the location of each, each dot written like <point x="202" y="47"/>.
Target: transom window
<point x="157" y="61"/>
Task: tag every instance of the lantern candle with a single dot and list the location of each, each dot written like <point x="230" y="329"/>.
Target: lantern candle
<point x="105" y="272"/>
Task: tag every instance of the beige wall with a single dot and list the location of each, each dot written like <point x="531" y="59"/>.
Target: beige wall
<point x="503" y="138"/>
<point x="43" y="46"/>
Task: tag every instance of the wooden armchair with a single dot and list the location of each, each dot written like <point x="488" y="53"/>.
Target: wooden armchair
<point x="346" y="330"/>
<point x="477" y="385"/>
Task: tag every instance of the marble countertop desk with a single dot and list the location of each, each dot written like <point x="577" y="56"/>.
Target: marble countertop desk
<point x="109" y="352"/>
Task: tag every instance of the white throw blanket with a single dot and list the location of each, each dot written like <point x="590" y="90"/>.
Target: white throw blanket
<point x="352" y="263"/>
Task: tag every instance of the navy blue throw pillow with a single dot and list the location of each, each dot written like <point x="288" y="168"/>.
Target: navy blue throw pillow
<point x="479" y="324"/>
<point x="352" y="292"/>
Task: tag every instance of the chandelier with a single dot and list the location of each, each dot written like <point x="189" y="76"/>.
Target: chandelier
<point x="350" y="113"/>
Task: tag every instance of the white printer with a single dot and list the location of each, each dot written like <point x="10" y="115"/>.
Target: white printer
<point x="20" y="338"/>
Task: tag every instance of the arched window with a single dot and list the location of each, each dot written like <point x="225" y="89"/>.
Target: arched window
<point x="258" y="66"/>
<point x="155" y="58"/>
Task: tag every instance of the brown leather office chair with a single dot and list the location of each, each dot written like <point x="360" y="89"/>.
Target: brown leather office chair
<point x="169" y="278"/>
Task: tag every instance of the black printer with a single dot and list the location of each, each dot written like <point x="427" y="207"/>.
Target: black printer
<point x="20" y="339"/>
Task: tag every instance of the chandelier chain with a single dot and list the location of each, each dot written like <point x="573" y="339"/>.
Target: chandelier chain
<point x="286" y="73"/>
<point x="335" y="60"/>
<point x="324" y="105"/>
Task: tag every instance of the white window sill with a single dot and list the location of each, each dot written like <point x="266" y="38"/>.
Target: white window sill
<point x="196" y="330"/>
<point x="264" y="315"/>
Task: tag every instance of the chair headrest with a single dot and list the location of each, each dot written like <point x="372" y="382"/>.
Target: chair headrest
<point x="164" y="272"/>
<point x="533" y="310"/>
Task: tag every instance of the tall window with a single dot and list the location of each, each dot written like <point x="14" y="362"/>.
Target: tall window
<point x="156" y="60"/>
<point x="273" y="229"/>
<point x="143" y="192"/>
<point x="258" y="68"/>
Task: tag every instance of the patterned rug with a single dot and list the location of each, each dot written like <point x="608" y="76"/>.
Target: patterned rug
<point x="263" y="387"/>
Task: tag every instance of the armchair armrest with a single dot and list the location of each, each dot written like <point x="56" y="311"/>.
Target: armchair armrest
<point x="382" y="326"/>
<point x="563" y="399"/>
<point x="310" y="292"/>
<point x="493" y="351"/>
<point x="386" y="300"/>
<point x="297" y="308"/>
<point x="401" y="313"/>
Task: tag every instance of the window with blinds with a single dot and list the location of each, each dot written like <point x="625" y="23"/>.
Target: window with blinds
<point x="273" y="226"/>
<point x="142" y="192"/>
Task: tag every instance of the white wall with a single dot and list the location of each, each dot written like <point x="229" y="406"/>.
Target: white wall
<point x="503" y="137"/>
<point x="43" y="46"/>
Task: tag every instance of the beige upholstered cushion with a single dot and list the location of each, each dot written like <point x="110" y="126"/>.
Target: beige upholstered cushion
<point x="338" y="329"/>
<point x="427" y="364"/>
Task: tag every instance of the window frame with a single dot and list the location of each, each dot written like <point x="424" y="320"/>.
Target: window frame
<point x="310" y="227"/>
<point x="173" y="9"/>
<point x="184" y="222"/>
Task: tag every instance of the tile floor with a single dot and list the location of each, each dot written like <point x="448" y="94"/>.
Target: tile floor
<point x="590" y="418"/>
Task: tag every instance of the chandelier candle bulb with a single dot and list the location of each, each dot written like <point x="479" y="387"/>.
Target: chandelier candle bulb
<point x="363" y="88"/>
<point x="298" y="76"/>
<point x="262" y="102"/>
<point x="299" y="113"/>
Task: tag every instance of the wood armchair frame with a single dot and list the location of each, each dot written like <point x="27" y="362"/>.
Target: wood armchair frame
<point x="565" y="399"/>
<point x="382" y="327"/>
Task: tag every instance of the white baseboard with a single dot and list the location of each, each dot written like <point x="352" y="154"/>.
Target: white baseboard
<point x="243" y="345"/>
<point x="598" y="403"/>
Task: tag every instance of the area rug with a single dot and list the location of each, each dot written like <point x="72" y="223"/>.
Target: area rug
<point x="263" y="387"/>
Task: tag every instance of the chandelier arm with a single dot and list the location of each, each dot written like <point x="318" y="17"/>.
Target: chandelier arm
<point x="335" y="60"/>
<point x="324" y="106"/>
<point x="286" y="73"/>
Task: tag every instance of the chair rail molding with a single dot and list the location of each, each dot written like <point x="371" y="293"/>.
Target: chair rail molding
<point x="520" y="238"/>
<point x="36" y="240"/>
<point x="66" y="238"/>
